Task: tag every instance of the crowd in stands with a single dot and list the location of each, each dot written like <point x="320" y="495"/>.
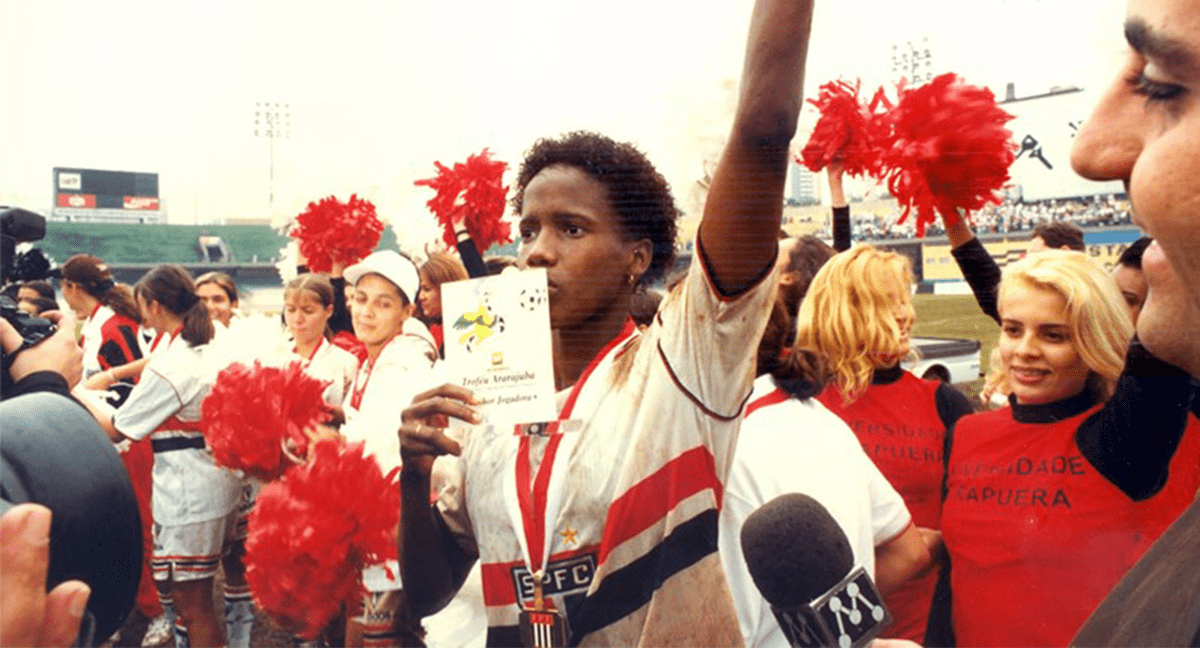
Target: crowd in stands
<point x="1010" y="216"/>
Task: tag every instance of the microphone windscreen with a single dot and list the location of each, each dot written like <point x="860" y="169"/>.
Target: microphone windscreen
<point x="795" y="550"/>
<point x="54" y="453"/>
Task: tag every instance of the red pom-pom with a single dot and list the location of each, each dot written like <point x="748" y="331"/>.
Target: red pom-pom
<point x="334" y="232"/>
<point x="313" y="531"/>
<point x="949" y="150"/>
<point x="843" y="133"/>
<point x="252" y="411"/>
<point x="474" y="193"/>
<point x="347" y="341"/>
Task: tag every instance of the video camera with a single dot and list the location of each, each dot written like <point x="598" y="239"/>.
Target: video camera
<point x="22" y="226"/>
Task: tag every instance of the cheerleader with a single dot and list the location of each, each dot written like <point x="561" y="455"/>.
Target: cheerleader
<point x="1035" y="532"/>
<point x="194" y="500"/>
<point x="308" y="305"/>
<point x="858" y="313"/>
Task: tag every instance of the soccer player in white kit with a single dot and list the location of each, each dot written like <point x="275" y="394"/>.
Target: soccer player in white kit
<point x="618" y="537"/>
<point x="194" y="500"/>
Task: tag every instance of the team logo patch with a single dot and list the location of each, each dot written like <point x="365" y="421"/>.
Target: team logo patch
<point x="560" y="577"/>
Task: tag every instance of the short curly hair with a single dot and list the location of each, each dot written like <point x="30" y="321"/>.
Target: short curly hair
<point x="639" y="193"/>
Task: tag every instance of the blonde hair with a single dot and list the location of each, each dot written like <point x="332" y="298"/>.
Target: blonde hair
<point x="848" y="314"/>
<point x="1097" y="317"/>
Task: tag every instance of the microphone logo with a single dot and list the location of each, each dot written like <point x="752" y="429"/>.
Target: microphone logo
<point x="849" y="615"/>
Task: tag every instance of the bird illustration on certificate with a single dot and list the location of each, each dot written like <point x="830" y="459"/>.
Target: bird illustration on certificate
<point x="498" y="344"/>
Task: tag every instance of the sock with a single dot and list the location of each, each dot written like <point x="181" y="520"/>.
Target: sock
<point x="239" y="615"/>
<point x="168" y="606"/>
<point x="181" y="634"/>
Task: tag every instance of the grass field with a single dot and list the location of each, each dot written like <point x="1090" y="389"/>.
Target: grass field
<point x="956" y="316"/>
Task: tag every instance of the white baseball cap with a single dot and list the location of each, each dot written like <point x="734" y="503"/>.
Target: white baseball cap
<point x="391" y="265"/>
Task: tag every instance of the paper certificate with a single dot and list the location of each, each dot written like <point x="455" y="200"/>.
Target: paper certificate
<point x="498" y="345"/>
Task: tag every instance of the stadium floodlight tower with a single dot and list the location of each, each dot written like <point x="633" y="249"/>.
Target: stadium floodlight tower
<point x="912" y="60"/>
<point x="272" y="120"/>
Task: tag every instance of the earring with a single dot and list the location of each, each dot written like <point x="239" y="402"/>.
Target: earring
<point x="630" y="279"/>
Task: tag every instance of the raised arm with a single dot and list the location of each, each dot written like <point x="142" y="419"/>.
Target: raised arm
<point x="739" y="233"/>
<point x="979" y="269"/>
<point x="841" y="208"/>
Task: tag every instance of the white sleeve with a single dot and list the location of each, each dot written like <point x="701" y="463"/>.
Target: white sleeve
<point x="749" y="603"/>
<point x="708" y="341"/>
<point x="889" y="514"/>
<point x="152" y="401"/>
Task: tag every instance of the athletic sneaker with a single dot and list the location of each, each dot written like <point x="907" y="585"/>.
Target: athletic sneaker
<point x="158" y="633"/>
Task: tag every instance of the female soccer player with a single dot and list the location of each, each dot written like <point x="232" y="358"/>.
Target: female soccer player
<point x="619" y="536"/>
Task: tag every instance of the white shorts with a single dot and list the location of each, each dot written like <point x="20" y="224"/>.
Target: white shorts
<point x="187" y="552"/>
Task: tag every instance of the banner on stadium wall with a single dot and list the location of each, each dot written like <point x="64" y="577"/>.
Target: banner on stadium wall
<point x="1105" y="246"/>
<point x="1044" y="129"/>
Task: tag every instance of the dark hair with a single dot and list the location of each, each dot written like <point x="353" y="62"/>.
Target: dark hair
<point x="1060" y="233"/>
<point x="42" y="288"/>
<point x="804" y="260"/>
<point x="92" y="274"/>
<point x="1132" y="255"/>
<point x="42" y="304"/>
<point x="638" y="192"/>
<point x="223" y="281"/>
<point x="171" y="286"/>
<point x="643" y="305"/>
<point x="495" y="264"/>
<point x="803" y="373"/>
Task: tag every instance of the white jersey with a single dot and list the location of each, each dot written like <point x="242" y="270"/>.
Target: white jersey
<point x="632" y="501"/>
<point x="793" y="446"/>
<point x="189" y="486"/>
<point x="377" y="397"/>
<point x="335" y="364"/>
<point x="382" y="389"/>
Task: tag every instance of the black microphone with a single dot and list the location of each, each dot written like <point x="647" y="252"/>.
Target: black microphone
<point x="801" y="562"/>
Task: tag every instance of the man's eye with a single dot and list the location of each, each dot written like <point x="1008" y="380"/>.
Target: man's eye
<point x="1153" y="90"/>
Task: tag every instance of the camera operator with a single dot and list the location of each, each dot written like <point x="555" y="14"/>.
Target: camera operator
<point x="29" y="615"/>
<point x="55" y="364"/>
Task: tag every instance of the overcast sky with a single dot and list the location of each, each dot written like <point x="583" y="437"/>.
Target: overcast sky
<point x="379" y="89"/>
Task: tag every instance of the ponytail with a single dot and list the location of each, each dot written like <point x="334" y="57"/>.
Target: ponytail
<point x="171" y="286"/>
<point x="92" y="275"/>
<point x="197" y="325"/>
<point x="803" y="373"/>
<point x="120" y="298"/>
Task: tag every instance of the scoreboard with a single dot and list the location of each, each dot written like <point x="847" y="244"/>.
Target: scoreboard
<point x="98" y="196"/>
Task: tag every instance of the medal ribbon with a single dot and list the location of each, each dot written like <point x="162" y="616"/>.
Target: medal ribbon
<point x="533" y="498"/>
